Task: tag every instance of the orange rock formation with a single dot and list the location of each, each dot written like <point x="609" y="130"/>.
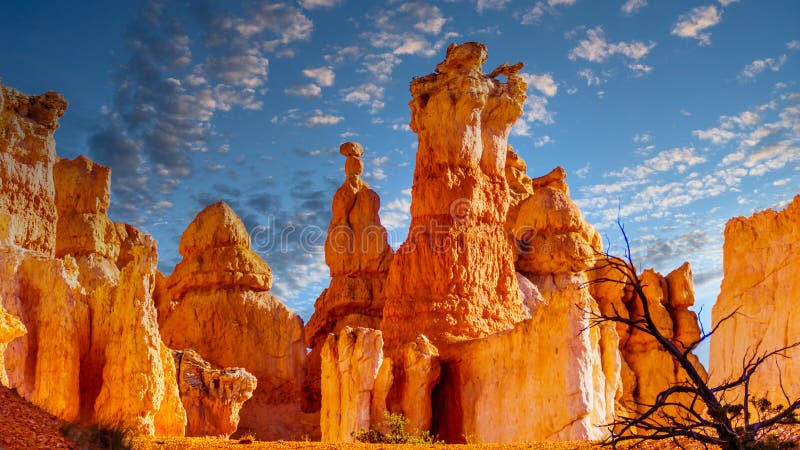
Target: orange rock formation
<point x="27" y="156"/>
<point x="350" y="367"/>
<point x="761" y="266"/>
<point x="217" y="302"/>
<point x="453" y="278"/>
<point x="358" y="255"/>
<point x="212" y="398"/>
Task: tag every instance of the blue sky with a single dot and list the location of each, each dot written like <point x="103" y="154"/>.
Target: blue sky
<point x="676" y="115"/>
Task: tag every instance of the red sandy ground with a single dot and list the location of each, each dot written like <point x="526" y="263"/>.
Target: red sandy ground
<point x="25" y="426"/>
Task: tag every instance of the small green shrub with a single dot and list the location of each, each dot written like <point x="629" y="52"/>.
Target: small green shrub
<point x="95" y="437"/>
<point x="396" y="424"/>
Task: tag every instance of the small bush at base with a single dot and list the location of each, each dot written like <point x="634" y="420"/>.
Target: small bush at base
<point x="397" y="434"/>
<point x="95" y="437"/>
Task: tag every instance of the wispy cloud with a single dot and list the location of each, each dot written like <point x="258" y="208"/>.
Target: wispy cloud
<point x="497" y="5"/>
<point x="313" y="4"/>
<point x="304" y="90"/>
<point x="758" y="66"/>
<point x="320" y="118"/>
<point x="694" y="23"/>
<point x="543" y="83"/>
<point x="633" y="6"/>
<point x="541" y="8"/>
<point x="324" y="76"/>
<point x="595" y="47"/>
<point x="368" y="94"/>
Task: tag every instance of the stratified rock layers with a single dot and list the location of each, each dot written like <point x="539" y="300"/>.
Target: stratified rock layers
<point x="212" y="397"/>
<point x="27" y="155"/>
<point x="92" y="351"/>
<point x="217" y="302"/>
<point x="553" y="367"/>
<point x="761" y="285"/>
<point x="358" y="255"/>
<point x="453" y="278"/>
<point x="350" y="366"/>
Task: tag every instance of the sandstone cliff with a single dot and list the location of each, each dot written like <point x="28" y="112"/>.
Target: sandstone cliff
<point x="79" y="328"/>
<point x="212" y="397"/>
<point x="358" y="255"/>
<point x="27" y="155"/>
<point x="217" y="302"/>
<point x="10" y="329"/>
<point x="761" y="268"/>
<point x="453" y="278"/>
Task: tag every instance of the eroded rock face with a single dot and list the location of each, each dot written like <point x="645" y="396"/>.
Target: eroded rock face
<point x="134" y="382"/>
<point x="43" y="366"/>
<point x="417" y="371"/>
<point x="10" y="329"/>
<point x="554" y="358"/>
<point x="358" y="255"/>
<point x="27" y="155"/>
<point x="83" y="191"/>
<point x="453" y="279"/>
<point x="92" y="351"/>
<point x="648" y="369"/>
<point x="212" y="397"/>
<point x="761" y="267"/>
<point x="351" y="362"/>
<point x="551" y="234"/>
<point x="217" y="302"/>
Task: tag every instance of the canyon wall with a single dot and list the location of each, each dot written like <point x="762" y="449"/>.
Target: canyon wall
<point x="760" y="291"/>
<point x="79" y="330"/>
<point x="453" y="278"/>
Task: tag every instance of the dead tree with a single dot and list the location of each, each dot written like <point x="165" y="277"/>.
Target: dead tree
<point x="727" y="415"/>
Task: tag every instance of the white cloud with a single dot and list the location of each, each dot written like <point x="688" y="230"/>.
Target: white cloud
<point x="642" y="138"/>
<point x="283" y="20"/>
<point x="537" y="110"/>
<point x="717" y="136"/>
<point x="640" y="69"/>
<point x="544" y="83"/>
<point x="428" y="18"/>
<point x="367" y="94"/>
<point x="678" y="159"/>
<point x="498" y="5"/>
<point x="304" y="90"/>
<point x="771" y="157"/>
<point x="542" y="141"/>
<point x="632" y="6"/>
<point x="596" y="48"/>
<point x="727" y="2"/>
<point x="751" y="70"/>
<point x="324" y="76"/>
<point x="793" y="45"/>
<point x="319" y="118"/>
<point x="693" y="23"/>
<point x="591" y="78"/>
<point x="342" y="54"/>
<point x="380" y="66"/>
<point x="781" y="182"/>
<point x="378" y="164"/>
<point x="540" y="8"/>
<point x="312" y="4"/>
<point x="248" y="70"/>
<point x="396" y="214"/>
<point x="402" y="43"/>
